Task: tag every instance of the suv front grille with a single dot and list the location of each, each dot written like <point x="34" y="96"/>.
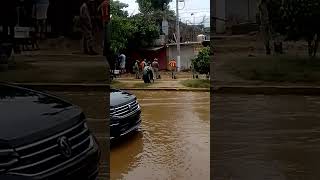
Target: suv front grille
<point x="125" y="109"/>
<point x="41" y="156"/>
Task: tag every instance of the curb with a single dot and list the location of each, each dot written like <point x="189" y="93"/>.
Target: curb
<point x="267" y="90"/>
<point x="251" y="90"/>
<point x="64" y="87"/>
<point x="58" y="55"/>
<point x="96" y="87"/>
<point x="169" y="89"/>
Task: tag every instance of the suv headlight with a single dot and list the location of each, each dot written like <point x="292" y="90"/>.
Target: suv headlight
<point x="137" y="102"/>
<point x="8" y="158"/>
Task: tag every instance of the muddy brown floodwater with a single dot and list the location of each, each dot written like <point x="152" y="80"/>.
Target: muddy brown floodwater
<point x="94" y="105"/>
<point x="266" y="137"/>
<point x="173" y="142"/>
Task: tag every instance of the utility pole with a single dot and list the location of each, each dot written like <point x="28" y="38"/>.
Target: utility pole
<point x="193" y="26"/>
<point x="178" y="36"/>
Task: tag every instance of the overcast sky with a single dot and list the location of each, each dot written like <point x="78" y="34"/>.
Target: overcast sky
<point x="200" y="8"/>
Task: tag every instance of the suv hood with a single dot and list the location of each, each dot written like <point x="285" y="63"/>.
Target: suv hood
<point x="27" y="115"/>
<point x="118" y="97"/>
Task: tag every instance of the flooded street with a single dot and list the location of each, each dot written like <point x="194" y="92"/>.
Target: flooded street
<point x="173" y="142"/>
<point x="266" y="137"/>
<point x="94" y="106"/>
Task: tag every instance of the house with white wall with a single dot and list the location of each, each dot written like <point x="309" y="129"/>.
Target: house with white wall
<point x="188" y="51"/>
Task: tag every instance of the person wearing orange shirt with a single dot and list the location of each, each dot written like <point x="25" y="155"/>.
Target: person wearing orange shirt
<point x="173" y="68"/>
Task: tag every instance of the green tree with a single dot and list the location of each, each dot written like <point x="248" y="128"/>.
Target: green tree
<point x="148" y="6"/>
<point x="146" y="30"/>
<point x="145" y="6"/>
<point x="302" y="21"/>
<point x="297" y="19"/>
<point x="122" y="31"/>
<point x="135" y="31"/>
<point x="116" y="8"/>
<point x="122" y="28"/>
<point x="201" y="63"/>
<point x="160" y="4"/>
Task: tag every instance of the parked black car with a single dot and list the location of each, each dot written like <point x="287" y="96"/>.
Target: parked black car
<point x="125" y="113"/>
<point x="44" y="137"/>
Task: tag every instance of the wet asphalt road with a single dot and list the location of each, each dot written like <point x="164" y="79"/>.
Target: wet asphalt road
<point x="173" y="142"/>
<point x="266" y="137"/>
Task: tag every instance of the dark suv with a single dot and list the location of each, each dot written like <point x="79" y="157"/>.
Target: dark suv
<point x="43" y="137"/>
<point x="125" y="113"/>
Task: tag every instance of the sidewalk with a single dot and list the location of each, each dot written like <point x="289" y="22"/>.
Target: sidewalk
<point x="156" y="84"/>
<point x="252" y="90"/>
<point x="98" y="87"/>
<point x="56" y="67"/>
<point x="60" y="70"/>
<point x="71" y="70"/>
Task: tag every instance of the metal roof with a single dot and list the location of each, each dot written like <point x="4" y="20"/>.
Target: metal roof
<point x="185" y="43"/>
<point x="153" y="48"/>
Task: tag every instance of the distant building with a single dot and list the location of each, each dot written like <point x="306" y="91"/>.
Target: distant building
<point x="165" y="53"/>
<point x="188" y="32"/>
<point x="188" y="51"/>
<point x="228" y="13"/>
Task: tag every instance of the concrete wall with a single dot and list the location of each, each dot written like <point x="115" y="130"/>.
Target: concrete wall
<point x="187" y="53"/>
<point x="235" y="12"/>
<point x="241" y="11"/>
<point x="220" y="13"/>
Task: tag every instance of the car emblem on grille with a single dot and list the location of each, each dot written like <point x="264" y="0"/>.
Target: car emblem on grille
<point x="64" y="146"/>
<point x="130" y="107"/>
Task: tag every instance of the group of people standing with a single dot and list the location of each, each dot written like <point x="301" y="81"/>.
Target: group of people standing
<point x="147" y="70"/>
<point x="150" y="70"/>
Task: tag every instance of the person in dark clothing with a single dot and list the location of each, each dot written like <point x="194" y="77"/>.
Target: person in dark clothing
<point x="147" y="74"/>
